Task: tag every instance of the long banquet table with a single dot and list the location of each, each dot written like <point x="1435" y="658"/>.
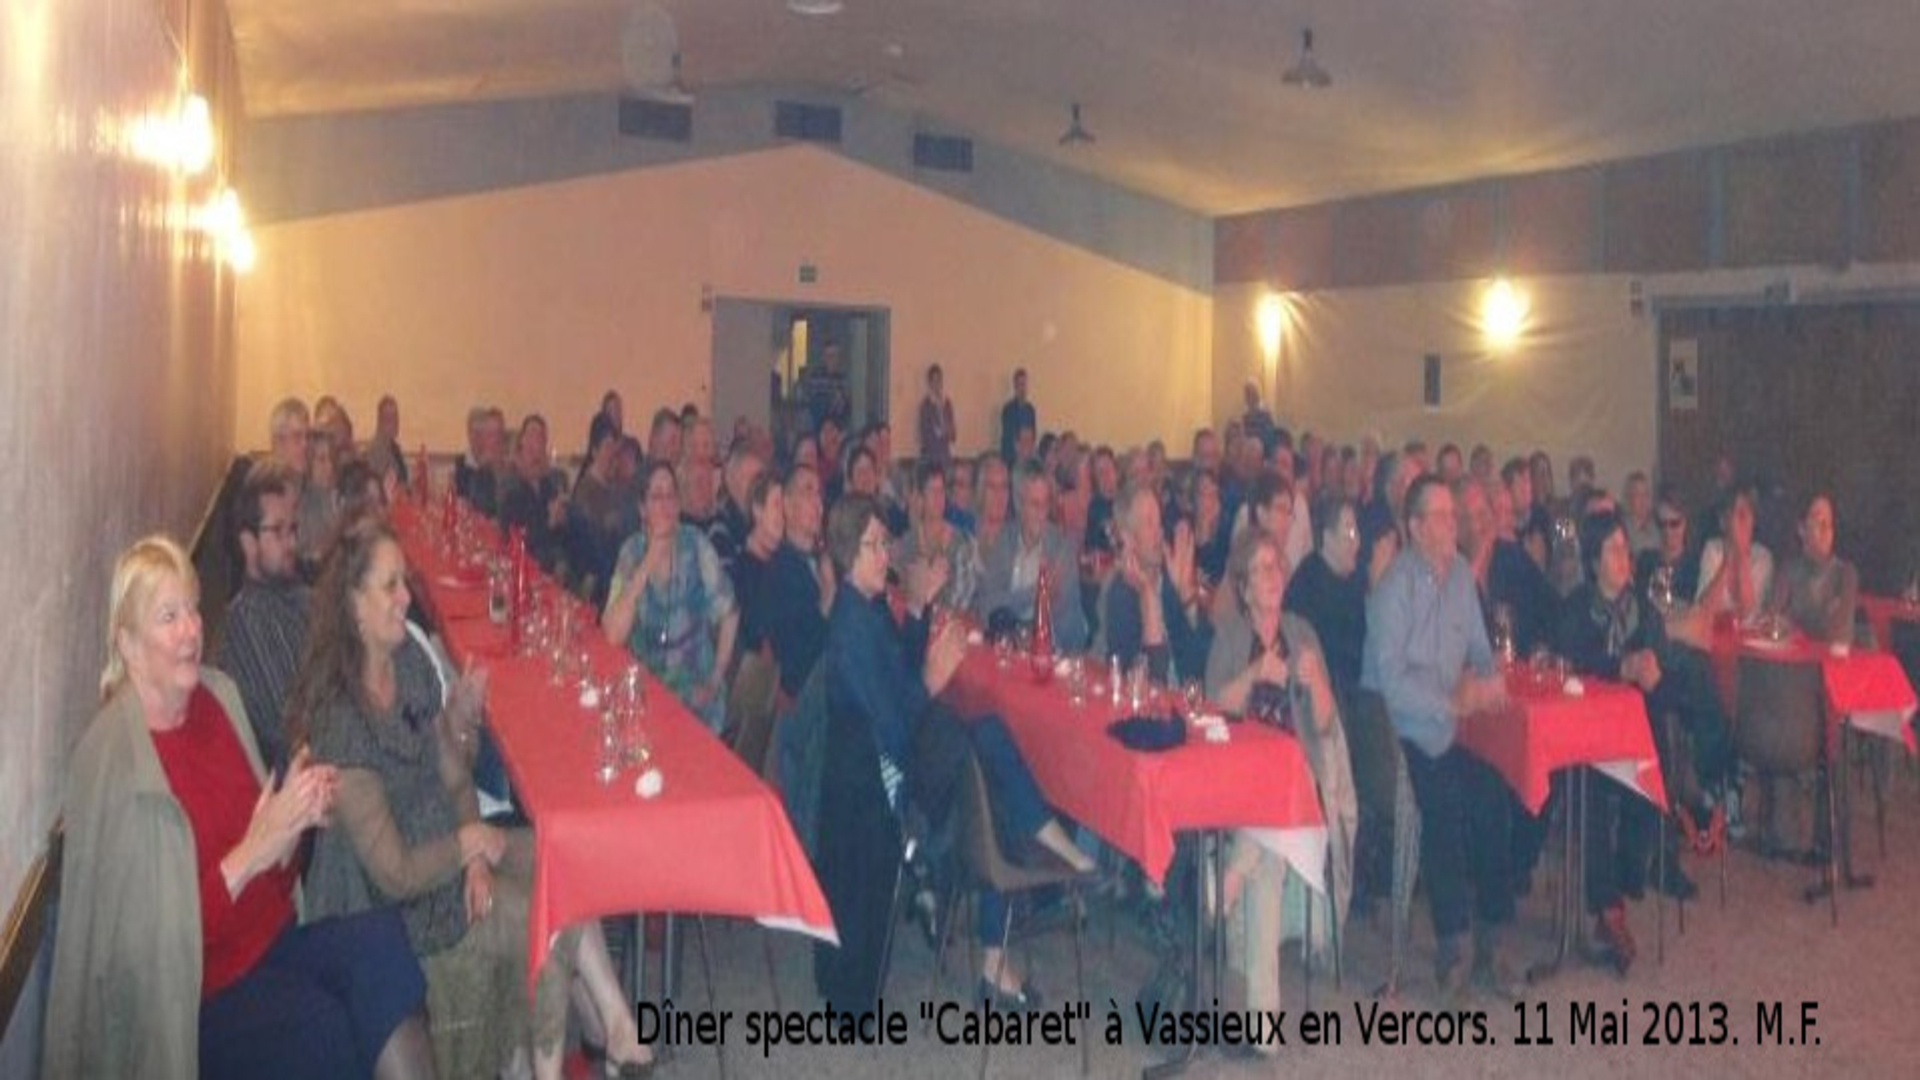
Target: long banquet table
<point x="715" y="840"/>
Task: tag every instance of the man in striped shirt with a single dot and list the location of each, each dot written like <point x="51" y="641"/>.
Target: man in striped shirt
<point x="266" y="626"/>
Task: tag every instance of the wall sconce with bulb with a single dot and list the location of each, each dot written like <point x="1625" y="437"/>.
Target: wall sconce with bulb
<point x="180" y="140"/>
<point x="1505" y="311"/>
<point x="222" y="219"/>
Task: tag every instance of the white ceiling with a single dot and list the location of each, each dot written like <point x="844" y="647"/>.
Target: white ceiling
<point x="1184" y="95"/>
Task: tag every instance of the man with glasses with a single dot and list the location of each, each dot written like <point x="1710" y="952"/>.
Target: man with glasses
<point x="266" y="627"/>
<point x="1427" y="655"/>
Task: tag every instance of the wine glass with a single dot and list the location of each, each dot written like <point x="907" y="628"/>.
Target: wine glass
<point x="1660" y="589"/>
<point x="1076" y="682"/>
<point x="1911" y="594"/>
<point x="1503" y="647"/>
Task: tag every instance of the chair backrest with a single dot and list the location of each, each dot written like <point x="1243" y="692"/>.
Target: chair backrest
<point x="750" y="708"/>
<point x="1778" y="720"/>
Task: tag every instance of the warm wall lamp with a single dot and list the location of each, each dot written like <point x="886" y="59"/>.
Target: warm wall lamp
<point x="1505" y="309"/>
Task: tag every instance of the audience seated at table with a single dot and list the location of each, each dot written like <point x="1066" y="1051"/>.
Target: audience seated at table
<point x="319" y="509"/>
<point x="331" y="417"/>
<point x="1427" y="656"/>
<point x="663" y="437"/>
<point x="478" y="474"/>
<point x="1394" y="576"/>
<point x="1200" y="505"/>
<point x="886" y="680"/>
<point x="384" y="454"/>
<point x="671" y="605"/>
<point x="534" y="498"/>
<point x="179" y="950"/>
<point x="931" y="536"/>
<point x="728" y="532"/>
<point x="1151" y="605"/>
<point x="265" y="633"/>
<point x="1608" y="631"/>
<point x="1675" y="559"/>
<point x="1736" y="571"/>
<point x="1516" y="585"/>
<point x="800" y="584"/>
<point x="599" y="512"/>
<point x="288" y="430"/>
<point x="1816" y="590"/>
<point x="1010" y="569"/>
<point x="408" y="830"/>
<point x="753" y="567"/>
<point x="1269" y="666"/>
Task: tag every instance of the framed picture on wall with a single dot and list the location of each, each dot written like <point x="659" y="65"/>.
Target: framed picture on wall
<point x="1683" y="374"/>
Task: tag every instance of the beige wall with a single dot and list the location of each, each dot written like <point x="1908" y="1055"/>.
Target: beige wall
<point x="1582" y="379"/>
<point x="542" y="297"/>
<point x="115" y="384"/>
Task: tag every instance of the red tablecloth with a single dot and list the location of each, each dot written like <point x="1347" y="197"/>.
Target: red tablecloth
<point x="1866" y="688"/>
<point x="1544" y="729"/>
<point x="1883" y="612"/>
<point x="1136" y="801"/>
<point x="716" y="839"/>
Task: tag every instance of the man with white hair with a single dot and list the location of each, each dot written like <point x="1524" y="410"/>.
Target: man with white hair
<point x="476" y="476"/>
<point x="287" y="426"/>
<point x="1151" y="605"/>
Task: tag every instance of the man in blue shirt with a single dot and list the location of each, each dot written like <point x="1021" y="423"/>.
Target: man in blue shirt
<point x="1427" y="655"/>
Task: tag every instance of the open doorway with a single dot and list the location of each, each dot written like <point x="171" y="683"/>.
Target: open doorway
<point x="785" y="366"/>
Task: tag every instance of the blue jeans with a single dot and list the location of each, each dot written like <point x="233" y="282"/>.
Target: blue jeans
<point x="321" y="1003"/>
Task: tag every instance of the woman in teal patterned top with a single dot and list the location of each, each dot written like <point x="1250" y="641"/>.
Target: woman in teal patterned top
<point x="671" y="604"/>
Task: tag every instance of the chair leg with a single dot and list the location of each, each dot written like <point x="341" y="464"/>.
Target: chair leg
<point x="1006" y="935"/>
<point x="1306" y="947"/>
<point x="1080" y="989"/>
<point x="706" y="970"/>
<point x="1660" y="895"/>
<point x="893" y="923"/>
<point x="1879" y="767"/>
<point x="1834" y="880"/>
<point x="940" y="950"/>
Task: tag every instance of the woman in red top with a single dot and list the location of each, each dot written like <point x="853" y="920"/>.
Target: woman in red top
<point x="179" y="952"/>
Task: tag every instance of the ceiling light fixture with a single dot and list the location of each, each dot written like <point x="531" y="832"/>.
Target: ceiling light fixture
<point x="1306" y="71"/>
<point x="815" y="9"/>
<point x="1076" y="131"/>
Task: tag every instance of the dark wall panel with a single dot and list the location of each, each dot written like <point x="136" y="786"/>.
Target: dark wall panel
<point x="1890" y="193"/>
<point x="1459" y="233"/>
<point x="1376" y="240"/>
<point x="1786" y="202"/>
<point x="1240" y="248"/>
<point x="1657" y="214"/>
<point x="1551" y="222"/>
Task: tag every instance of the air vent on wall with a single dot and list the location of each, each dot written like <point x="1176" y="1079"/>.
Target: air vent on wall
<point x="947" y="153"/>
<point x="811" y="123"/>
<point x="664" y="121"/>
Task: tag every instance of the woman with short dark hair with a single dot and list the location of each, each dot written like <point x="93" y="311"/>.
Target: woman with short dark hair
<point x="888" y="680"/>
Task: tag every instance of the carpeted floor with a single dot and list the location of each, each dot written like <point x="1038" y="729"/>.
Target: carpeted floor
<point x="1861" y="979"/>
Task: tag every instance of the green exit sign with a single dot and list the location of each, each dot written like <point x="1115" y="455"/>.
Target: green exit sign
<point x="809" y="273"/>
